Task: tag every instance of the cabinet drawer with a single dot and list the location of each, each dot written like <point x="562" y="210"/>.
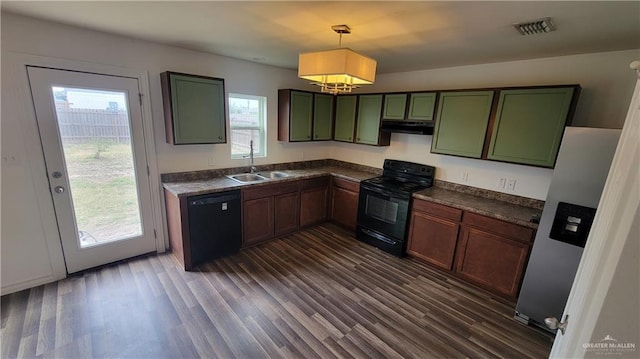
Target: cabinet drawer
<point x="438" y="210"/>
<point x="314" y="183"/>
<point x="270" y="190"/>
<point x="346" y="184"/>
<point x="510" y="230"/>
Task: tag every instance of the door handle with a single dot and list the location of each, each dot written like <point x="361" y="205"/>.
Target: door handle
<point x="59" y="189"/>
<point x="554" y="323"/>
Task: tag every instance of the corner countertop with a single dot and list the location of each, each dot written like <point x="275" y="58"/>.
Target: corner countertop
<point x="510" y="212"/>
<point x="222" y="183"/>
<point x="509" y="208"/>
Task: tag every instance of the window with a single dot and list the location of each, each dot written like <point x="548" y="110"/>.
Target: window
<point x="248" y="121"/>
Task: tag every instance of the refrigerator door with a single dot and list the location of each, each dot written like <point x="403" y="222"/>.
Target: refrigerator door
<point x="578" y="179"/>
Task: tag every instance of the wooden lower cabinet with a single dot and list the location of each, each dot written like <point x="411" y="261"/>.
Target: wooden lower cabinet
<point x="285" y="213"/>
<point x="313" y="201"/>
<point x="344" y="202"/>
<point x="485" y="251"/>
<point x="258" y="223"/>
<point x="492" y="261"/>
<point x="433" y="233"/>
<point x="178" y="228"/>
<point x="269" y="211"/>
<point x="493" y="253"/>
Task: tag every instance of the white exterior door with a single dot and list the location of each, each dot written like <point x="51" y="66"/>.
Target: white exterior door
<point x="91" y="130"/>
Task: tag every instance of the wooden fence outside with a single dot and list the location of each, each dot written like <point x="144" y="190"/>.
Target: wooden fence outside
<point x="88" y="125"/>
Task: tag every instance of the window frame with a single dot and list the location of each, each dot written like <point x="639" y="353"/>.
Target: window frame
<point x="262" y="127"/>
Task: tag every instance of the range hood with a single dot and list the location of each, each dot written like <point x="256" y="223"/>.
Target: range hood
<point x="418" y="128"/>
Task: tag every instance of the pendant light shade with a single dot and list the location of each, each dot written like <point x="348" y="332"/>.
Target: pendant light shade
<point x="337" y="71"/>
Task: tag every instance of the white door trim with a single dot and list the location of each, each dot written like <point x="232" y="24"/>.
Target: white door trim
<point x="611" y="229"/>
<point x="17" y="62"/>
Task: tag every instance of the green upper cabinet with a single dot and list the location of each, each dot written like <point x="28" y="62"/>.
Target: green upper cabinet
<point x="295" y="115"/>
<point x="345" y="118"/>
<point x="368" y="125"/>
<point x="301" y="116"/>
<point x="322" y="117"/>
<point x="304" y="116"/>
<point x="394" y="106"/>
<point x="194" y="109"/>
<point x="461" y="123"/>
<point x="529" y="125"/>
<point x="421" y="106"/>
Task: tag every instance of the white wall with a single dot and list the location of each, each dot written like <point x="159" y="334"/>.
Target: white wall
<point x="31" y="253"/>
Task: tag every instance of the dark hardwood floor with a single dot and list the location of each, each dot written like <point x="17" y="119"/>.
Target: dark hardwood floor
<point x="315" y="294"/>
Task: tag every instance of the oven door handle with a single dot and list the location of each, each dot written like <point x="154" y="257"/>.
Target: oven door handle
<point x="379" y="191"/>
<point x="378" y="236"/>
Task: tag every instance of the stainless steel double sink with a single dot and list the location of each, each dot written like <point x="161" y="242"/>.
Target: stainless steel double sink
<point x="257" y="177"/>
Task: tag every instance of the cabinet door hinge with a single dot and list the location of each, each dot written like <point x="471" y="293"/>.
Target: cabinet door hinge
<point x="148" y="171"/>
<point x="155" y="234"/>
<point x="140" y="97"/>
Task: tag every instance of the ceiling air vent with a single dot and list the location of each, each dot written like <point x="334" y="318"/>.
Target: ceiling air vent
<point x="539" y="26"/>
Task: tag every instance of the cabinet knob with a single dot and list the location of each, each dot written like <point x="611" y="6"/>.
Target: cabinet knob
<point x="219" y="137"/>
<point x="316" y="136"/>
<point x="349" y="138"/>
<point x="308" y="136"/>
<point x="358" y="139"/>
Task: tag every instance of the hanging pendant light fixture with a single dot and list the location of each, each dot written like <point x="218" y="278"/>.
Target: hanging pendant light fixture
<point x="337" y="71"/>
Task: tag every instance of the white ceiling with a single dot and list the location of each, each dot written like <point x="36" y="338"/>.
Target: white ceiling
<point x="401" y="36"/>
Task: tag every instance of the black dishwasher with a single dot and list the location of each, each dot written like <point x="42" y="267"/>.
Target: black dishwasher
<point x="215" y="228"/>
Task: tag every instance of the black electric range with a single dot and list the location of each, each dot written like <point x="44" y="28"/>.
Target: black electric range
<point x="383" y="206"/>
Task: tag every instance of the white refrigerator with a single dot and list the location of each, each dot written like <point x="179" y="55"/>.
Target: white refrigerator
<point x="574" y="192"/>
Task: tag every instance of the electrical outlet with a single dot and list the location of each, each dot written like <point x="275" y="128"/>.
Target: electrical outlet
<point x="502" y="182"/>
<point x="10" y="159"/>
<point x="212" y="161"/>
<point x="511" y="184"/>
<point x="465" y="177"/>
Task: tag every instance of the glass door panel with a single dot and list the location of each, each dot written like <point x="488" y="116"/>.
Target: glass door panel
<point x="95" y="134"/>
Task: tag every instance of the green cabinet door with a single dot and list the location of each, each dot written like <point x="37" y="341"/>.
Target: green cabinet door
<point x="301" y="116"/>
<point x="369" y="113"/>
<point x="529" y="125"/>
<point x="194" y="109"/>
<point x="345" y="118"/>
<point x="322" y="117"/>
<point x="461" y="123"/>
<point x="421" y="106"/>
<point x="394" y="106"/>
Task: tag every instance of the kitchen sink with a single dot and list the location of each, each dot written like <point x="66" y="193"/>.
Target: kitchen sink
<point x="247" y="177"/>
<point x="257" y="177"/>
<point x="273" y="174"/>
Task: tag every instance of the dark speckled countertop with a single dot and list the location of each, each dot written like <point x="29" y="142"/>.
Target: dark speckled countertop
<point x="497" y="205"/>
<point x="510" y="212"/>
<point x="219" y="184"/>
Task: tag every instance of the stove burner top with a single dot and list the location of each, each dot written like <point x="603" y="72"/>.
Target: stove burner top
<point x="390" y="183"/>
<point x="403" y="177"/>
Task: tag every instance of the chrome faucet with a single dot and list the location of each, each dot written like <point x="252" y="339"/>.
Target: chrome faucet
<point x="253" y="168"/>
